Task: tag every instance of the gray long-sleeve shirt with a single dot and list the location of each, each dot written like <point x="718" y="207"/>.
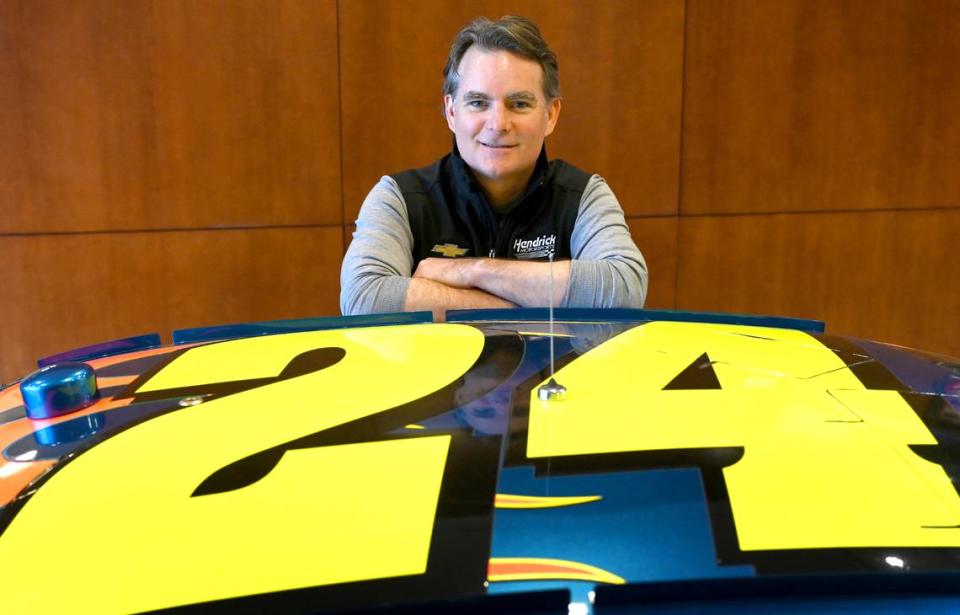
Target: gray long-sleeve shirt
<point x="607" y="269"/>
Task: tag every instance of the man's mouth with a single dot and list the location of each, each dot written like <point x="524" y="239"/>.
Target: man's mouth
<point x="497" y="145"/>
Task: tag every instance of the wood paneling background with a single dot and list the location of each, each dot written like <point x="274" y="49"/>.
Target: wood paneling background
<point x="814" y="105"/>
<point x="169" y="114"/>
<point x="883" y="275"/>
<point x="177" y="163"/>
<point x="141" y="282"/>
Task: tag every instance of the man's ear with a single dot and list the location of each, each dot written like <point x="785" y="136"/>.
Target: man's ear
<point x="448" y="111"/>
<point x="553" y="113"/>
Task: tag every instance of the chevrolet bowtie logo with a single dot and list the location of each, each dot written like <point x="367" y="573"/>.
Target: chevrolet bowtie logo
<point x="450" y="250"/>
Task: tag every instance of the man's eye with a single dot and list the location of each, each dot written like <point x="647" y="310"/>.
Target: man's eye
<point x="477" y="104"/>
<point x="522" y="105"/>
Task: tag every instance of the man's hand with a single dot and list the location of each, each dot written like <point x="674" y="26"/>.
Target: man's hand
<point x="523" y="283"/>
<point x="425" y="294"/>
<point x="455" y="272"/>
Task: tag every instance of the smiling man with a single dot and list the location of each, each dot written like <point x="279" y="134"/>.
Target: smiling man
<point x="475" y="229"/>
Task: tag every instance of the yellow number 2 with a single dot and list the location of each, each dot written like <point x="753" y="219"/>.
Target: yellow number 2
<point x="121" y="520"/>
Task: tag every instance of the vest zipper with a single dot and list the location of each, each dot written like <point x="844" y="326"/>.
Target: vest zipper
<point x="507" y="232"/>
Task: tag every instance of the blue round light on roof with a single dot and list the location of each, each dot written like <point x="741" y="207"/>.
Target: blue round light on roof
<point x="59" y="389"/>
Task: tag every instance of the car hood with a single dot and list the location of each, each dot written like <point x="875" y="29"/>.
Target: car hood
<point x="348" y="464"/>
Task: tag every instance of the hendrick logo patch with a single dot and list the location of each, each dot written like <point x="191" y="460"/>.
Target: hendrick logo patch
<point x="540" y="247"/>
<point x="450" y="250"/>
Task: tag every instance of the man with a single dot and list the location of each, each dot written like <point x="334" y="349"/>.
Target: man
<point x="476" y="228"/>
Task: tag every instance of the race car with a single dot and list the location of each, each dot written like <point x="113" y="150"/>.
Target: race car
<point x="502" y="461"/>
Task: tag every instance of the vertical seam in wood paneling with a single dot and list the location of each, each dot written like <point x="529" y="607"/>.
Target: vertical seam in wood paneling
<point x="343" y="221"/>
<point x="18" y="32"/>
<point x="676" y="278"/>
<point x="683" y="91"/>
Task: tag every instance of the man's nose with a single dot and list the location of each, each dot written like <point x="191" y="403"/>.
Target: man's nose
<point x="498" y="119"/>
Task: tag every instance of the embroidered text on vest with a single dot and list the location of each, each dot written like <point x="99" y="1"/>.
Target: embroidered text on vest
<point x="541" y="247"/>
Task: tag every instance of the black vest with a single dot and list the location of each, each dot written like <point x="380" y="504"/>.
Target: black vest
<point x="450" y="215"/>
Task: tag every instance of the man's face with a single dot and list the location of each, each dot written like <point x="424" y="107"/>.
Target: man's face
<point x="500" y="116"/>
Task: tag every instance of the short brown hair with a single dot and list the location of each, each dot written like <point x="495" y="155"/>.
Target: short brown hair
<point x="517" y="35"/>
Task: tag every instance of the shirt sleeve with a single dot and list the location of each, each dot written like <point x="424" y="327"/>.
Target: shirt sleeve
<point x="607" y="268"/>
<point x="377" y="266"/>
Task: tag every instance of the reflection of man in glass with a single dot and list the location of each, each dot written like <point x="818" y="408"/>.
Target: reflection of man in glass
<point x="949" y="387"/>
<point x="487" y="414"/>
<point x="491" y="413"/>
<point x="474" y="229"/>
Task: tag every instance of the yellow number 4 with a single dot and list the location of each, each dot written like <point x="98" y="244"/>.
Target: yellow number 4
<point x="826" y="462"/>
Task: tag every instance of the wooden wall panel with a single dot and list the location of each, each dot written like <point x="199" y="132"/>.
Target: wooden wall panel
<point x="140" y="114"/>
<point x="657" y="240"/>
<point x="12" y="129"/>
<point x="800" y="105"/>
<point x="620" y="70"/>
<point x="66" y="291"/>
<point x="887" y="276"/>
<point x="348" y="230"/>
